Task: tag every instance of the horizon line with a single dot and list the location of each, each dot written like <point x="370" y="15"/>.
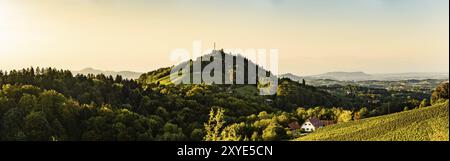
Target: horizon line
<point x="293" y="73"/>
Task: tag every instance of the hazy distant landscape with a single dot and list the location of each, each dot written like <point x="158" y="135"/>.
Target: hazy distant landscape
<point x="361" y="76"/>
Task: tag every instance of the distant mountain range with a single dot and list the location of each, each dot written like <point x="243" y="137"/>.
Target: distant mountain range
<point x="124" y="74"/>
<point x="361" y="76"/>
<point x="340" y="76"/>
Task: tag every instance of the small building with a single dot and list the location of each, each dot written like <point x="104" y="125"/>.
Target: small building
<point x="311" y="124"/>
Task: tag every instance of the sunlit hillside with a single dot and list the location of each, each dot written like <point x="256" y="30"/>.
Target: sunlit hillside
<point x="426" y="124"/>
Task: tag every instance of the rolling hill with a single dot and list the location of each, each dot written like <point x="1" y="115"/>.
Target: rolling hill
<point x="426" y="124"/>
<point x="162" y="75"/>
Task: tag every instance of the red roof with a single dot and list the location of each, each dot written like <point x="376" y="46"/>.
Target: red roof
<point x="294" y="125"/>
<point x="315" y="122"/>
<point x="318" y="123"/>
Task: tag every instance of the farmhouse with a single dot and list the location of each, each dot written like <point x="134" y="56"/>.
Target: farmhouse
<point x="311" y="124"/>
<point x="314" y="123"/>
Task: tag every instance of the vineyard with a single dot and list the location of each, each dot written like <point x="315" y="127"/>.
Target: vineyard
<point x="425" y="124"/>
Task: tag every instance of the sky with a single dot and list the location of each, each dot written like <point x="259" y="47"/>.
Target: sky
<point x="312" y="37"/>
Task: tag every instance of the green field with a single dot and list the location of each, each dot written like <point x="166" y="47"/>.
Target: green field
<point x="426" y="124"/>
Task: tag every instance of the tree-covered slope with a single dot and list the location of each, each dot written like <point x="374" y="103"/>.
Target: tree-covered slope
<point x="163" y="75"/>
<point x="425" y="124"/>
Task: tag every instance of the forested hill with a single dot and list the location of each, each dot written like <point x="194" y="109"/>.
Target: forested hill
<point x="162" y="76"/>
<point x="289" y="96"/>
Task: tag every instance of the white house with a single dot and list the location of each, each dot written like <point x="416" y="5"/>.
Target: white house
<point x="311" y="124"/>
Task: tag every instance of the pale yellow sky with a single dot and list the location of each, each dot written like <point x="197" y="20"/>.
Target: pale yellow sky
<point x="375" y="36"/>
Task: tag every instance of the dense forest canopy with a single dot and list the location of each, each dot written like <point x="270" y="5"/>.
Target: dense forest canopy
<point x="51" y="104"/>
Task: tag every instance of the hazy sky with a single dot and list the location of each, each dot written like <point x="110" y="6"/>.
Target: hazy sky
<point x="375" y="36"/>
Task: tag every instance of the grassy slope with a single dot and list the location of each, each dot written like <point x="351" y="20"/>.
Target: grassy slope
<point x="426" y="124"/>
